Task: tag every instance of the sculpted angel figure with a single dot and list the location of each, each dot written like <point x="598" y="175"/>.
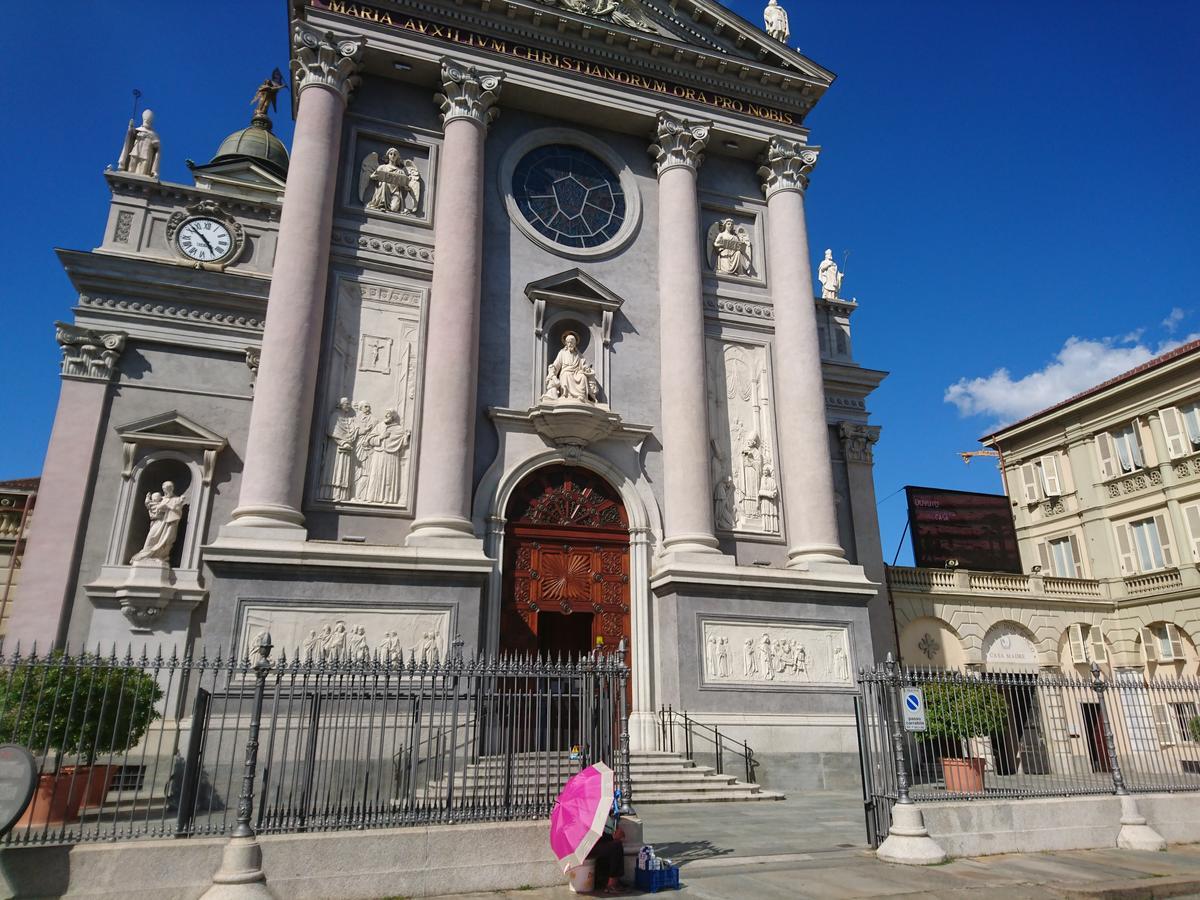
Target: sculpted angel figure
<point x="166" y="510"/>
<point x="265" y="95"/>
<point x="830" y="277"/>
<point x="394" y="184"/>
<point x="570" y="377"/>
<point x="775" y="19"/>
<point x="142" y="149"/>
<point x="731" y="252"/>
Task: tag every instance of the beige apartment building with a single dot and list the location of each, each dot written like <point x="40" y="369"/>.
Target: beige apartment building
<point x="1105" y="491"/>
<point x="16" y="507"/>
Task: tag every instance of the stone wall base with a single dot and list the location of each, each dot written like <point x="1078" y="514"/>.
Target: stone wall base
<point x="342" y="865"/>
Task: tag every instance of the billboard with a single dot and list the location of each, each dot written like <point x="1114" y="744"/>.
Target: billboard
<point x="975" y="529"/>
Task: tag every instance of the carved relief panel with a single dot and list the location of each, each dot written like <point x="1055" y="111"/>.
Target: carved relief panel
<point x="745" y="481"/>
<point x="364" y="441"/>
<point x="351" y="633"/>
<point x="388" y="177"/>
<point x="733" y="241"/>
<point x="777" y="654"/>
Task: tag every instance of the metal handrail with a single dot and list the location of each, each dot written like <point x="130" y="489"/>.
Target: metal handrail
<point x="669" y="718"/>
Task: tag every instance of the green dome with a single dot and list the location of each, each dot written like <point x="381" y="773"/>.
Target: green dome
<point x="255" y="143"/>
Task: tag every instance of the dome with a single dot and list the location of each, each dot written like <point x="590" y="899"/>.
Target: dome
<point x="257" y="144"/>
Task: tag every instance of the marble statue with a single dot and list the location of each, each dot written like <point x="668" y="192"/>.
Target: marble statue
<point x="752" y="469"/>
<point x="384" y="446"/>
<point x="768" y="499"/>
<point x="723" y="657"/>
<point x="750" y="660"/>
<point x="357" y="644"/>
<point x="775" y="20"/>
<point x="621" y="12"/>
<point x="337" y="644"/>
<point x="429" y="648"/>
<point x="166" y="510"/>
<point x="394" y="184"/>
<point x="142" y="150"/>
<point x="341" y="434"/>
<point x="265" y="95"/>
<point x="364" y="424"/>
<point x="767" y="657"/>
<point x="712" y="654"/>
<point x="570" y="377"/>
<point x="730" y="249"/>
<point x="841" y="669"/>
<point x="830" y="277"/>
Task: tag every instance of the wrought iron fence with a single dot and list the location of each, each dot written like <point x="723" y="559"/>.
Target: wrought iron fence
<point x="169" y="746"/>
<point x="699" y="742"/>
<point x="1019" y="735"/>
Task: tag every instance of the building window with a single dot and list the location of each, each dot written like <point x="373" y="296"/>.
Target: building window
<point x="1120" y="451"/>
<point x="1041" y="478"/>
<point x="1185" y="715"/>
<point x="1061" y="557"/>
<point x="569" y="196"/>
<point x="1162" y="643"/>
<point x="1144" y="545"/>
<point x="1181" y="428"/>
<point x="1087" y="644"/>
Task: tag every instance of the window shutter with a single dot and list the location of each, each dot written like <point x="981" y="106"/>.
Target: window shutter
<point x="1125" y="550"/>
<point x="1164" y="539"/>
<point x="1051" y="483"/>
<point x="1135" y="444"/>
<point x="1078" y="648"/>
<point x="1172" y="424"/>
<point x="1096" y="639"/>
<point x="1076" y="555"/>
<point x="1164" y="724"/>
<point x="1029" y="489"/>
<point x="1149" y="645"/>
<point x="1044" y="556"/>
<point x="1108" y="456"/>
<point x="1176" y="641"/>
<point x="1192" y="515"/>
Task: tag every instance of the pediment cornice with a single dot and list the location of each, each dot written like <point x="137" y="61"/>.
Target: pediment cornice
<point x="122" y="183"/>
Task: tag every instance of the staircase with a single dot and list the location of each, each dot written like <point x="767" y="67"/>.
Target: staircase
<point x="663" y="777"/>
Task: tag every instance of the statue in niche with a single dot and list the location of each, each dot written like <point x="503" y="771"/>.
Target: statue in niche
<point x="723" y="657"/>
<point x="752" y="469"/>
<point x="750" y="660"/>
<point x="730" y="249"/>
<point x="768" y="499"/>
<point x="570" y="377"/>
<point x="142" y="150"/>
<point x="394" y="184"/>
<point x="341" y="434"/>
<point x="775" y="20"/>
<point x="830" y="277"/>
<point x="383" y="446"/>
<point x="166" y="510"/>
<point x="265" y="95"/>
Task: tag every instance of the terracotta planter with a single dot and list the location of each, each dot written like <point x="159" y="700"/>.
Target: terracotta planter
<point x="96" y="785"/>
<point x="56" y="799"/>
<point x="963" y="776"/>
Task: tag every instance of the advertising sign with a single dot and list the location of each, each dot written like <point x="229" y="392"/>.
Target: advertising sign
<point x="977" y="530"/>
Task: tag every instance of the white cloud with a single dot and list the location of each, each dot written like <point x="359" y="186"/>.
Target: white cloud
<point x="1174" y="317"/>
<point x="1079" y="365"/>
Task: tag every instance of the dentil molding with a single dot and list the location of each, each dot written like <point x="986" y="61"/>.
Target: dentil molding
<point x="326" y="59"/>
<point x="678" y="142"/>
<point x="468" y="93"/>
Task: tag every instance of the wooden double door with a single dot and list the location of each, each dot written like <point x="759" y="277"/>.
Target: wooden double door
<point x="566" y="566"/>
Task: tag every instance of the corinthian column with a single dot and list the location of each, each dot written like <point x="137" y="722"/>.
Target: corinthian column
<point x="444" y="473"/>
<point x="688" y="512"/>
<point x="807" y="473"/>
<point x="277" y="446"/>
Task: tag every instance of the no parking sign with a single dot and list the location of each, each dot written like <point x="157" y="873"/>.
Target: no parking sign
<point x="912" y="703"/>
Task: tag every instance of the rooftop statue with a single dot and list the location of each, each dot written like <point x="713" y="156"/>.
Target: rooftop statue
<point x="142" y="149"/>
<point x="775" y="20"/>
<point x="266" y="95"/>
<point x="830" y="277"/>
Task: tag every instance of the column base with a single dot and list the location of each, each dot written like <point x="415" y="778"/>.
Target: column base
<point x="908" y="842"/>
<point x="694" y="547"/>
<point x="643" y="730"/>
<point x="266" y="522"/>
<point x="1135" y="834"/>
<point x="804" y="555"/>
<point x="241" y="875"/>
<point x="443" y="531"/>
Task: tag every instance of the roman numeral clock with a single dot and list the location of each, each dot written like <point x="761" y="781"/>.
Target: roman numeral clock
<point x="205" y="236"/>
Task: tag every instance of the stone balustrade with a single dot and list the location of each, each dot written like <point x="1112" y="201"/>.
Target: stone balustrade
<point x="994" y="585"/>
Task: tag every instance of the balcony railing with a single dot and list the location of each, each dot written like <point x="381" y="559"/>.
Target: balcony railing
<point x="995" y="584"/>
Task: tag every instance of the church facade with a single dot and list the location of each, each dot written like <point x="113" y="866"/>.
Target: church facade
<point x="519" y="346"/>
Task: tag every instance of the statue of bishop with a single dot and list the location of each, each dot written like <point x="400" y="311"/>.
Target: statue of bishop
<point x="775" y="19"/>
<point x="142" y="148"/>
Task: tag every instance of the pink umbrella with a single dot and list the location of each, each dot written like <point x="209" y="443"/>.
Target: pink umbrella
<point x="577" y="820"/>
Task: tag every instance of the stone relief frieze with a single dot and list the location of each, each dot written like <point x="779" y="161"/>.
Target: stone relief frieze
<point x="420" y="636"/>
<point x="392" y="185"/>
<point x="741" y="434"/>
<point x="383" y="245"/>
<point x="775" y="653"/>
<point x="171" y="311"/>
<point x="366" y="440"/>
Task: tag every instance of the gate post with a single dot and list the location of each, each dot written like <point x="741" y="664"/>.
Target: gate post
<point x="624" y="775"/>
<point x="908" y="841"/>
<point x="241" y="874"/>
<point x="1135" y="834"/>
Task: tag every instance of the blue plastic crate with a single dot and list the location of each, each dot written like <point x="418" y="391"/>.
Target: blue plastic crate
<point x="655" y="880"/>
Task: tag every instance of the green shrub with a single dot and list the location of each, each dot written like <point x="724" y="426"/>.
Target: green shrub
<point x="963" y="710"/>
<point x="81" y="705"/>
<point x="1194" y="728"/>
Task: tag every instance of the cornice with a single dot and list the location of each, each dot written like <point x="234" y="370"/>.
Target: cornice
<point x="124" y="183"/>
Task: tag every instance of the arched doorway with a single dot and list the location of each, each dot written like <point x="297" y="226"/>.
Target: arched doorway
<point x="566" y="564"/>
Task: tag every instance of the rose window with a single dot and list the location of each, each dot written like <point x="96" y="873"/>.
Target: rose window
<point x="569" y="196"/>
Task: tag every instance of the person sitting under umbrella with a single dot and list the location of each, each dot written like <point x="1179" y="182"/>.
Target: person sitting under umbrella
<point x="609" y="857"/>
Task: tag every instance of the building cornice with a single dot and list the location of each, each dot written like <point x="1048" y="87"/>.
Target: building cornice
<point x="124" y="184"/>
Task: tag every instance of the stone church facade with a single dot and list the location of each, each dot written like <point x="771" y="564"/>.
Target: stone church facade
<point x="519" y="346"/>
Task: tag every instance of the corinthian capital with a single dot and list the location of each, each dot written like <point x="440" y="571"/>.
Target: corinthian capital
<point x="785" y="165"/>
<point x="326" y="59"/>
<point x="468" y="93"/>
<point x="678" y="142"/>
<point x="87" y="353"/>
<point x="858" y="441"/>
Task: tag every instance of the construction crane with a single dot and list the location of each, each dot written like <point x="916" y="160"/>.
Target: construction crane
<point x="968" y="455"/>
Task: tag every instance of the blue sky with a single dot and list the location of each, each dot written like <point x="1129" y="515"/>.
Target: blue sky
<point x="1016" y="184"/>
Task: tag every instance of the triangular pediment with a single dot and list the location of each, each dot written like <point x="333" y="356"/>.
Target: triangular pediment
<point x="239" y="176"/>
<point x="170" y="429"/>
<point x="573" y="286"/>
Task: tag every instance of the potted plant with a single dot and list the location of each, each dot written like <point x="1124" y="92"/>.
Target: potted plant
<point x="955" y="712"/>
<point x="83" y="707"/>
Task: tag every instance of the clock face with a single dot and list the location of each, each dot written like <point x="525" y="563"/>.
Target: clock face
<point x="205" y="240"/>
